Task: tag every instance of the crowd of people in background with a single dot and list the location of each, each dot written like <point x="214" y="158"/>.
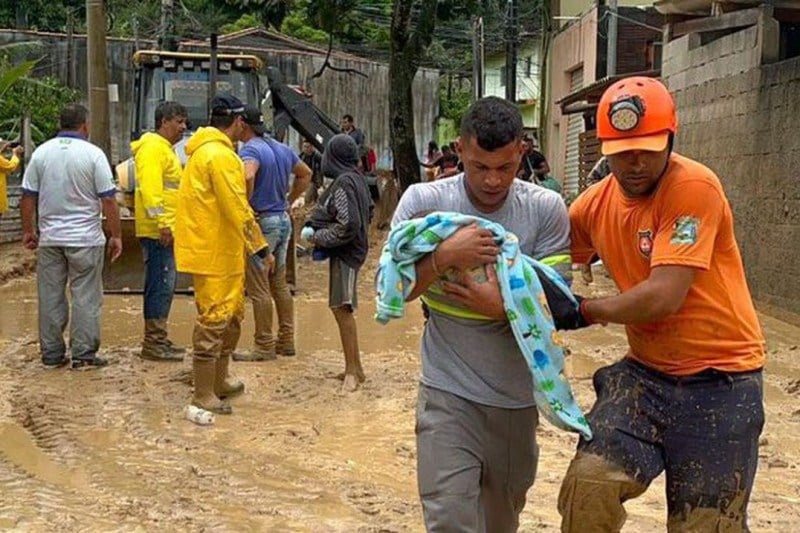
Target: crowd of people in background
<point x="445" y="162"/>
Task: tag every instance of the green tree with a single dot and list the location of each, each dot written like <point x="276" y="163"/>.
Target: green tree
<point x="43" y="98"/>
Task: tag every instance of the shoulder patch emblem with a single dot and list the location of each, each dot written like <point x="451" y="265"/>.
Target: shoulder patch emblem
<point x="645" y="242"/>
<point x="685" y="230"/>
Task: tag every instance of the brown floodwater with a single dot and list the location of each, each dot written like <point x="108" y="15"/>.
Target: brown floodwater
<point x="109" y="450"/>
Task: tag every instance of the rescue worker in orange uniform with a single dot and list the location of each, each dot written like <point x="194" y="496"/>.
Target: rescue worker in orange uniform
<point x="687" y="396"/>
<point x="214" y="229"/>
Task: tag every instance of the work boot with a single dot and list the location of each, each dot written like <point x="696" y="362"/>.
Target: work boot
<point x="204" y="373"/>
<point x="153" y="347"/>
<point x="284" y="305"/>
<point x="164" y="340"/>
<point x="224" y="385"/>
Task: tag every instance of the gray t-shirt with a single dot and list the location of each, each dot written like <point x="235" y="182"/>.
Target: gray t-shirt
<point x="474" y="359"/>
<point x="70" y="175"/>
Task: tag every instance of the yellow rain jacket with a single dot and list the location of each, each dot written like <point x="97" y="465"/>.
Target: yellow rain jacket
<point x="7" y="166"/>
<point x="214" y="223"/>
<point x="158" y="176"/>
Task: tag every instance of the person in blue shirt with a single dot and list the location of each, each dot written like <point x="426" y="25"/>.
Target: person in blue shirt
<point x="268" y="168"/>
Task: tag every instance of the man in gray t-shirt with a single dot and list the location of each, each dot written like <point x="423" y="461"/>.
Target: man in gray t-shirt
<point x="476" y="417"/>
<point x="69" y="183"/>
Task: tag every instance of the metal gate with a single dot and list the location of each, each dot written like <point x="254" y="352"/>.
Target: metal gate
<point x="574" y="130"/>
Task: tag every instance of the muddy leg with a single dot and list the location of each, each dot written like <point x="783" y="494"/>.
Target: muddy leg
<point x="353" y="371"/>
<point x="628" y="421"/>
<point x="712" y="454"/>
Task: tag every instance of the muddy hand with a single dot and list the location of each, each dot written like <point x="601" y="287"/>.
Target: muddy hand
<point x="482" y="297"/>
<point x="30" y="241"/>
<point x="114" y="248"/>
<point x="165" y="237"/>
<point x="469" y="247"/>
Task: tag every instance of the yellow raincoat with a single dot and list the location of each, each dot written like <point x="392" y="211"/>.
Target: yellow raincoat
<point x="158" y="176"/>
<point x="214" y="223"/>
<point x="7" y="166"/>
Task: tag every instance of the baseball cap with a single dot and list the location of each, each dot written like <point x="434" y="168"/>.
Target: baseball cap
<point x="226" y="104"/>
<point x="254" y="119"/>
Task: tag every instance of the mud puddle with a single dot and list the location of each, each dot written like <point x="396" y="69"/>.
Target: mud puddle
<point x="110" y="451"/>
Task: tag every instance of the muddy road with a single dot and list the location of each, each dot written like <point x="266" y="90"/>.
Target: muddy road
<point x="109" y="450"/>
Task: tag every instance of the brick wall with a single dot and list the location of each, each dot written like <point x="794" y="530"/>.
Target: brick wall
<point x="10" y="225"/>
<point x="633" y="39"/>
<point x="739" y="116"/>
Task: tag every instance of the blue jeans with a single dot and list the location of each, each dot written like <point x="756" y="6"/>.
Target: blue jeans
<point x="277" y="229"/>
<point x="160" y="277"/>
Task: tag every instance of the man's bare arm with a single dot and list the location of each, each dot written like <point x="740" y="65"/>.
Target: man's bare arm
<point x="302" y="178"/>
<point x="659" y="296"/>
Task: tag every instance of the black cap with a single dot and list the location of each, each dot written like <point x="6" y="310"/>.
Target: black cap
<point x="254" y="119"/>
<point x="224" y="104"/>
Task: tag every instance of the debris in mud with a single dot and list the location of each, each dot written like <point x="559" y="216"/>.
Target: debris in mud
<point x="793" y="387"/>
<point x="777" y="463"/>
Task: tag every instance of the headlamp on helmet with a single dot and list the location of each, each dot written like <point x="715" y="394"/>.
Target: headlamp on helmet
<point x="625" y="113"/>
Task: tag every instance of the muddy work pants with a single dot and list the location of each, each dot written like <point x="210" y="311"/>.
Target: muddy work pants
<point x="220" y="310"/>
<point x="475" y="463"/>
<point x="277" y="230"/>
<point x="703" y="430"/>
<point x="80" y="268"/>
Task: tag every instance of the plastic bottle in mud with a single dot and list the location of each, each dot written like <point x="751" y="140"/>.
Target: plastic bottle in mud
<point x="201" y="417"/>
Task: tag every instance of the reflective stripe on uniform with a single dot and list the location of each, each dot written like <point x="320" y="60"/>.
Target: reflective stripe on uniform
<point x="172" y="185"/>
<point x="554" y="260"/>
<point x="451" y="310"/>
<point x="153" y="212"/>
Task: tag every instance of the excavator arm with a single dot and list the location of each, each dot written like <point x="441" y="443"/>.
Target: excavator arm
<point x="292" y="107"/>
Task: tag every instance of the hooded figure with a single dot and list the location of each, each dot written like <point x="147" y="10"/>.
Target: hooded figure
<point x="343" y="213"/>
<point x="338" y="228"/>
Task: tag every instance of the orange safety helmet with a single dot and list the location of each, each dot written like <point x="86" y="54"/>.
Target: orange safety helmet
<point x="636" y="113"/>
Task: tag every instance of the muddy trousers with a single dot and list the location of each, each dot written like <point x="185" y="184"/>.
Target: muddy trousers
<point x="475" y="463"/>
<point x="220" y="310"/>
<point x="80" y="268"/>
<point x="277" y="230"/>
<point x="703" y="430"/>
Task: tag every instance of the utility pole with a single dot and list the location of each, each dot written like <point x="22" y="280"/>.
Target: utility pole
<point x="512" y="31"/>
<point x="166" y="32"/>
<point x="477" y="58"/>
<point x="70" y="51"/>
<point x="611" y="50"/>
<point x="98" y="75"/>
<point x="212" y="74"/>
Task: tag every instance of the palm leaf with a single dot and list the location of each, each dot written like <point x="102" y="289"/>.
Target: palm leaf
<point x="14" y="74"/>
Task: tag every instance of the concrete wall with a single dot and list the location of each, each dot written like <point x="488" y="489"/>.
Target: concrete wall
<point x="574" y="47"/>
<point x="737" y="113"/>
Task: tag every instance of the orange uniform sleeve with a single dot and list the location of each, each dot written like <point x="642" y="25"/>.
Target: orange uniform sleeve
<point x="581" y="247"/>
<point x="688" y="223"/>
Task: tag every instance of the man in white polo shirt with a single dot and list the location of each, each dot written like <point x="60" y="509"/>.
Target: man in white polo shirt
<point x="69" y="182"/>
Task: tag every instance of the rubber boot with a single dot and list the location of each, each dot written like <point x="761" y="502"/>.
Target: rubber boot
<point x="284" y="305"/>
<point x="207" y="340"/>
<point x="153" y="347"/>
<point x="205" y="373"/>
<point x="224" y="385"/>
